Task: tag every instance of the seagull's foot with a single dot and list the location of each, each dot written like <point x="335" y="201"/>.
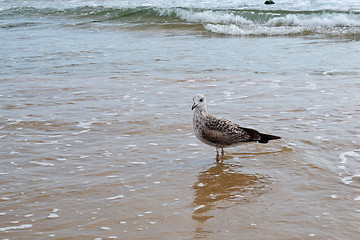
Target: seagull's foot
<point x="220" y="159"/>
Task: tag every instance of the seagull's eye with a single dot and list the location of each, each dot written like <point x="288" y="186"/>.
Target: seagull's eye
<point x="201" y="100"/>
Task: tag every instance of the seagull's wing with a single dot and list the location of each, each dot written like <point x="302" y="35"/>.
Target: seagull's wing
<point x="224" y="132"/>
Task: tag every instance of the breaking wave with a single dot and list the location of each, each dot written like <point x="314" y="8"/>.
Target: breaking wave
<point x="243" y="22"/>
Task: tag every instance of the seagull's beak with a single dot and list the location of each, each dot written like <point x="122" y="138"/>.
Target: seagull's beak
<point x="193" y="106"/>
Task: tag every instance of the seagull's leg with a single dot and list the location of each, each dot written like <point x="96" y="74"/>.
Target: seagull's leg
<point x="217" y="155"/>
<point x="222" y="151"/>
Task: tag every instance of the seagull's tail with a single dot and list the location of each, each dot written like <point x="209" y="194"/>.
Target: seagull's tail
<point x="265" y="138"/>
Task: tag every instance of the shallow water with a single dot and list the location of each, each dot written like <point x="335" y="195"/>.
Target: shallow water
<point x="96" y="137"/>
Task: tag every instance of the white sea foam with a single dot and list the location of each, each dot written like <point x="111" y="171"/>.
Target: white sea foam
<point x="115" y="197"/>
<point x="302" y="20"/>
<point x="349" y="164"/>
<point x="259" y="30"/>
<point x="44" y="164"/>
<point x="82" y="131"/>
<point x="138" y="163"/>
<point x="53" y="215"/>
<point x="23" y="226"/>
<point x="193" y="145"/>
<point x="131" y="145"/>
<point x="350" y="179"/>
<point x="315" y="20"/>
<point x="324" y="27"/>
<point x="343" y="156"/>
<point x="199" y="207"/>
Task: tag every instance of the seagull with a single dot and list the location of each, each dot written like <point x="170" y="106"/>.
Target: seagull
<point x="222" y="133"/>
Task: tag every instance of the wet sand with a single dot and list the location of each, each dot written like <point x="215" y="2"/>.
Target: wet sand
<point x="127" y="165"/>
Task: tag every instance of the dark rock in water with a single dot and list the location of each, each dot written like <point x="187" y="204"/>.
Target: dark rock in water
<point x="269" y="2"/>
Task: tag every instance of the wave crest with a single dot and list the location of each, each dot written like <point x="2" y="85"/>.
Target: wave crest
<point x="335" y="24"/>
<point x="240" y="22"/>
<point x="209" y="16"/>
<point x="324" y="20"/>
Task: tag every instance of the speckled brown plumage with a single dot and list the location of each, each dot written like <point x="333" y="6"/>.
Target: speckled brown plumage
<point x="219" y="132"/>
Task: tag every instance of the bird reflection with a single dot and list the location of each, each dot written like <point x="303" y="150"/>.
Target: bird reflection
<point x="221" y="186"/>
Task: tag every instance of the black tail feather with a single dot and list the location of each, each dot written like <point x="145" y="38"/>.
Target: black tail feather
<point x="265" y="138"/>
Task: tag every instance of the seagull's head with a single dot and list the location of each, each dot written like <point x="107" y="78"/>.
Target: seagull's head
<point x="199" y="102"/>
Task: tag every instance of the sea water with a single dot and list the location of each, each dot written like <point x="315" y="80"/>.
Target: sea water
<point x="96" y="134"/>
